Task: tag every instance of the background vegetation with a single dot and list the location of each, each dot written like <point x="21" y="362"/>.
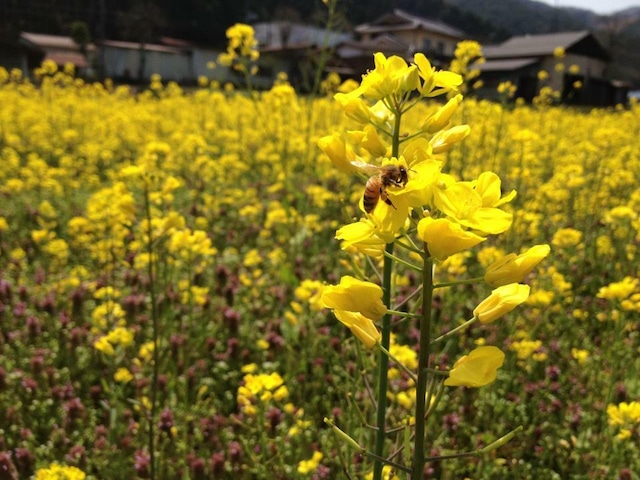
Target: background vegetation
<point x="205" y="222"/>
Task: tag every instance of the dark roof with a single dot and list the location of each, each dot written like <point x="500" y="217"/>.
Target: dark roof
<point x="400" y="20"/>
<point x="150" y="47"/>
<point x="383" y="43"/>
<point x="58" y="48"/>
<point x="582" y="42"/>
<point x="43" y="41"/>
<point x="505" y="65"/>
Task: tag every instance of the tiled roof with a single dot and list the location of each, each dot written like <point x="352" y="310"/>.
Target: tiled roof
<point x="151" y="47"/>
<point x="505" y="65"/>
<point x="400" y="20"/>
<point x="534" y="45"/>
<point x="44" y="41"/>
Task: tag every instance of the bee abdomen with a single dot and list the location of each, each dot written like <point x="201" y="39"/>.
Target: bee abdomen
<point x="372" y="192"/>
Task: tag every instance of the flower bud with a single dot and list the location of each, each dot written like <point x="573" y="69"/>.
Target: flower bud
<point x="353" y="106"/>
<point x="354" y="295"/>
<point x="501" y="301"/>
<point x="343" y="436"/>
<point x="477" y="369"/>
<point x="369" y="139"/>
<point x="443" y="140"/>
<point x="444" y="237"/>
<point x="513" y="268"/>
<point x="336" y="150"/>
<point x="441" y="118"/>
<point x="362" y="327"/>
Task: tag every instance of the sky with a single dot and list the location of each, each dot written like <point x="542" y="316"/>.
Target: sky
<point x="598" y="6"/>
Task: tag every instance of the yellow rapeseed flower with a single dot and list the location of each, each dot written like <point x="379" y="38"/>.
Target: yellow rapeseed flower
<point x="477" y="369"/>
<point x="59" y="472"/>
<point x="619" y="290"/>
<point x="354" y="295"/>
<point x="123" y="375"/>
<point x="625" y="413"/>
<point x="310" y="465"/>
<point x="501" y="301"/>
<point x="514" y="268"/>
<point x="362" y="327"/>
<point x="445" y="237"/>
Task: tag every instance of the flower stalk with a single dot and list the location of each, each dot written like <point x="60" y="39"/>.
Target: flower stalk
<point x="407" y="188"/>
<point x="154" y="334"/>
<point x="383" y="367"/>
<point x="423" y="366"/>
<point x="385" y="341"/>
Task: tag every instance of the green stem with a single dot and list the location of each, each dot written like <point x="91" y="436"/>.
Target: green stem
<point x="398" y="362"/>
<point x="409" y="247"/>
<point x="403" y="314"/>
<point x="417" y="291"/>
<point x="383" y="368"/>
<point x="423" y="366"/>
<point x="403" y="262"/>
<point x="459" y="282"/>
<point x="455" y="330"/>
<point x="154" y="335"/>
<point x="385" y="340"/>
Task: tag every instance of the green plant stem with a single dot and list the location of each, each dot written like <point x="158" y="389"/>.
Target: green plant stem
<point x="385" y="334"/>
<point x="383" y="368"/>
<point x="399" y="363"/>
<point x="459" y="282"/>
<point x="403" y="262"/>
<point x="403" y="314"/>
<point x="455" y="330"/>
<point x="154" y="337"/>
<point x="423" y="366"/>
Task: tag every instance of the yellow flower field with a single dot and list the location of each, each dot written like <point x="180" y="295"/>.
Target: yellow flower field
<point x="163" y="258"/>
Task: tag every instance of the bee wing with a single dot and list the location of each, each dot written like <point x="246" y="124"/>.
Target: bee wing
<point x="366" y="167"/>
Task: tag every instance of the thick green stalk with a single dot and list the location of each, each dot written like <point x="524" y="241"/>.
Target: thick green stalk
<point x="383" y="367"/>
<point x="385" y="340"/>
<point x="154" y="332"/>
<point x="423" y="367"/>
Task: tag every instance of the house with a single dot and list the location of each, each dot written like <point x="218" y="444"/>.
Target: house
<point x="39" y="47"/>
<point x="403" y="34"/>
<point x="580" y="79"/>
<point x="136" y="62"/>
<point x="291" y="48"/>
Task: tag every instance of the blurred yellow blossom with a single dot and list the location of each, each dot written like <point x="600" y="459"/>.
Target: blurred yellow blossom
<point x="619" y="290"/>
<point x="310" y="465"/>
<point x="59" y="472"/>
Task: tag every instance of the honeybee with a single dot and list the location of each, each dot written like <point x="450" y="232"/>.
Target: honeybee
<point x="381" y="178"/>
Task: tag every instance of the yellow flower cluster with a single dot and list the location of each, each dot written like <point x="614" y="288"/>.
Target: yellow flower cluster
<point x="310" y="465"/>
<point x="117" y="336"/>
<point x="626" y="416"/>
<point x="260" y="389"/>
<point x="242" y="47"/>
<point x="409" y="193"/>
<point x="60" y="472"/>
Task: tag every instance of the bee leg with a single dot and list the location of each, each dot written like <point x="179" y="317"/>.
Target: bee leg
<point x="387" y="200"/>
